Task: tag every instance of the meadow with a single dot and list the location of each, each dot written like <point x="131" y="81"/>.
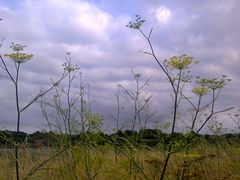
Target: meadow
<point x="116" y="157"/>
<point x="77" y="148"/>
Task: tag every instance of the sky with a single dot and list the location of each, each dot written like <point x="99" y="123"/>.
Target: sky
<point x="107" y="52"/>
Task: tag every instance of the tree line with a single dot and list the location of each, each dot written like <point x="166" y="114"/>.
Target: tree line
<point x="144" y="137"/>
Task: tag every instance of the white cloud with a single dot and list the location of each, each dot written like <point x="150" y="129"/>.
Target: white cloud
<point x="73" y="21"/>
<point x="163" y="14"/>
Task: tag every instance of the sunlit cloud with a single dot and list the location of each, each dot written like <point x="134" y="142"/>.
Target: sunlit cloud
<point x="163" y="14"/>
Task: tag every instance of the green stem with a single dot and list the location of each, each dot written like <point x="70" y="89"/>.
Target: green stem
<point x="82" y="104"/>
<point x="176" y="102"/>
<point x="69" y="109"/>
<point x="18" y="122"/>
<point x="197" y="111"/>
<point x="173" y="125"/>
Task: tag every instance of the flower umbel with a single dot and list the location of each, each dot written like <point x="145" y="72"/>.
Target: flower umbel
<point x="18" y="56"/>
<point x="200" y="91"/>
<point x="180" y="62"/>
<point x="214" y="84"/>
<point x="70" y="67"/>
<point x="137" y="24"/>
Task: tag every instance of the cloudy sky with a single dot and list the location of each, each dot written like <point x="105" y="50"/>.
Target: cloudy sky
<point x="106" y="51"/>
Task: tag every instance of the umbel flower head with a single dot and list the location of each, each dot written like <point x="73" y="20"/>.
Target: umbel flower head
<point x="17" y="55"/>
<point x="180" y="62"/>
<point x="137" y="24"/>
<point x="214" y="84"/>
<point x="200" y="90"/>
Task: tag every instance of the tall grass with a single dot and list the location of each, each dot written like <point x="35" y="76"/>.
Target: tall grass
<point x="205" y="161"/>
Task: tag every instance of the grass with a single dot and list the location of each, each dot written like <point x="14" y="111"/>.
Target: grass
<point x="202" y="162"/>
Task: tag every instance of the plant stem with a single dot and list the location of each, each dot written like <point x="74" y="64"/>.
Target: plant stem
<point x="18" y="122"/>
<point x="173" y="125"/>
<point x="196" y="113"/>
<point x="176" y="103"/>
<point x="69" y="109"/>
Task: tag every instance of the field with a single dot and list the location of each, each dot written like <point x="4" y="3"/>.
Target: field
<point x="220" y="160"/>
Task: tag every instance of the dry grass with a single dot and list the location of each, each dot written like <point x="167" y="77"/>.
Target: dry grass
<point x="101" y="163"/>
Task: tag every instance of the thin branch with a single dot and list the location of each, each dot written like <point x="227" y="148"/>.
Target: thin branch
<point x="148" y="53"/>
<point x="43" y="93"/>
<point x="128" y="92"/>
<point x="36" y="168"/>
<point x="145" y="84"/>
<point x="1" y="42"/>
<point x="158" y="62"/>
<point x="209" y="117"/>
<point x="150" y="33"/>
<point x="187" y="98"/>
<point x="6" y="69"/>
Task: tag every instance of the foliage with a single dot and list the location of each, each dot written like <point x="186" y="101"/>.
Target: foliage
<point x="149" y="137"/>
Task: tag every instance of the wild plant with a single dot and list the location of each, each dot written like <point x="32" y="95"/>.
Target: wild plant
<point x="69" y="114"/>
<point x="176" y="71"/>
<point x="18" y="56"/>
<point x="118" y="128"/>
<point x="139" y="99"/>
<point x="235" y="116"/>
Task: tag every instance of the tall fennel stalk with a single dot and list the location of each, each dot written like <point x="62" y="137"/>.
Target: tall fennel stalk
<point x="72" y="70"/>
<point x="18" y="121"/>
<point x="180" y="63"/>
<point x="139" y="99"/>
<point x="175" y="62"/>
<point x="19" y="57"/>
